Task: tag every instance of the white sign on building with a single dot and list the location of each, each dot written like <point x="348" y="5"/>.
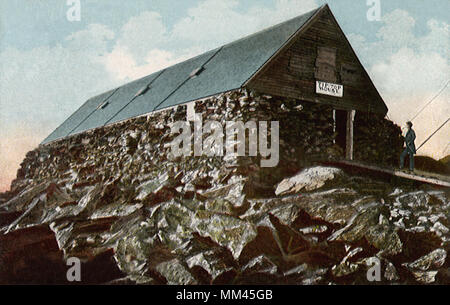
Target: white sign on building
<point x="329" y="89"/>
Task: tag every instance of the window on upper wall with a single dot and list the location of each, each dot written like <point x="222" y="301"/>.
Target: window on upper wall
<point x="301" y="67"/>
<point x="326" y="64"/>
<point x="350" y="74"/>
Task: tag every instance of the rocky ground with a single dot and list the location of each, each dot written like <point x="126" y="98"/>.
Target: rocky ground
<point x="115" y="198"/>
<point x="323" y="226"/>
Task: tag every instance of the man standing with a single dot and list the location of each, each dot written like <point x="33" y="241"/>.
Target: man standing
<point x="410" y="148"/>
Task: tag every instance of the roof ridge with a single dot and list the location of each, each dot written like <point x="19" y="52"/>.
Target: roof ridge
<point x="272" y="27"/>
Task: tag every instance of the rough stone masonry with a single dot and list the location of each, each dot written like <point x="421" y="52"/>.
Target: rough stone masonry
<point x="115" y="198"/>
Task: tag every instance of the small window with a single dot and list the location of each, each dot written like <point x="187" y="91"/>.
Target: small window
<point x="326" y="64"/>
<point x="196" y="72"/>
<point x="350" y="74"/>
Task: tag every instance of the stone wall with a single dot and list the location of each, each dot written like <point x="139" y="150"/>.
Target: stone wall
<point x="140" y="147"/>
<point x="377" y="140"/>
<point x="116" y="199"/>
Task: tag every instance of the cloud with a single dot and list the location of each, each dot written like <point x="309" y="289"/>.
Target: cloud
<point x="221" y="19"/>
<point x="46" y="84"/>
<point x="121" y="64"/>
<point x="396" y="22"/>
<point x="141" y="34"/>
<point x="93" y="40"/>
<point x="285" y="9"/>
<point x="216" y="22"/>
<point x="409" y="70"/>
<point x="145" y="45"/>
<point x="437" y="40"/>
<point x="397" y="33"/>
<point x="41" y="87"/>
<point x="407" y="81"/>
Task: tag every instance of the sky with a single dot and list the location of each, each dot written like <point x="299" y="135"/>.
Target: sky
<point x="51" y="64"/>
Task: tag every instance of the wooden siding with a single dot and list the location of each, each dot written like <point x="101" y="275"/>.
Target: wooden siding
<point x="321" y="52"/>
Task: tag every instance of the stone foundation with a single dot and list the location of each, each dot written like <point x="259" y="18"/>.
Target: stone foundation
<point x="139" y="147"/>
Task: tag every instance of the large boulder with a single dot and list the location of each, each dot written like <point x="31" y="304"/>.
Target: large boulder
<point x="308" y="179"/>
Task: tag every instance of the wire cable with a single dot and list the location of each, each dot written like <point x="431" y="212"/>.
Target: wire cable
<point x="433" y="134"/>
<point x="439" y="93"/>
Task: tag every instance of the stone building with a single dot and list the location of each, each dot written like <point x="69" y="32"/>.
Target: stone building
<point x="306" y="60"/>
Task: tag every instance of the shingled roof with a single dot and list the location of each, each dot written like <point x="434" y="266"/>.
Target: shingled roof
<point x="220" y="70"/>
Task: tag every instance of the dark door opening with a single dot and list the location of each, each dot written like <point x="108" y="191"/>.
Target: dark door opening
<point x="340" y="121"/>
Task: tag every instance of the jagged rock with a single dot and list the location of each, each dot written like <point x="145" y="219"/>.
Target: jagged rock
<point x="219" y="205"/>
<point x="87" y="246"/>
<point x="359" y="224"/>
<point x="344" y="268"/>
<point x="418" y="244"/>
<point x="115" y="210"/>
<point x="384" y="237"/>
<point x="305" y="275"/>
<point x="309" y="179"/>
<point x="232" y="190"/>
<point x="133" y="249"/>
<point x="390" y="273"/>
<point x="153" y="186"/>
<point x="260" y="264"/>
<point x="206" y="259"/>
<point x="333" y="206"/>
<point x="425" y="277"/>
<point x="263" y="244"/>
<point x="425" y="268"/>
<point x="227" y="231"/>
<point x="174" y="223"/>
<point x="175" y="273"/>
<point x="19" y="202"/>
<point x="432" y="260"/>
<point x="210" y="261"/>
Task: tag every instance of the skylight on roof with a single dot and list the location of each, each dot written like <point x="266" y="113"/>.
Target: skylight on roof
<point x="103" y="105"/>
<point x="196" y="72"/>
<point x="143" y="90"/>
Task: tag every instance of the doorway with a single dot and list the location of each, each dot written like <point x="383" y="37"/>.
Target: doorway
<point x="340" y="125"/>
